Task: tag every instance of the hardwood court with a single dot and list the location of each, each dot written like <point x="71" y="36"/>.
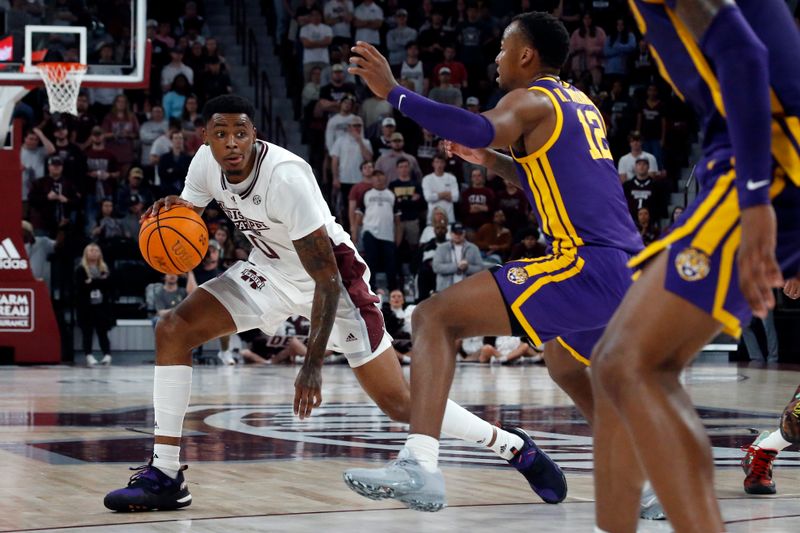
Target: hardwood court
<point x="67" y="435"/>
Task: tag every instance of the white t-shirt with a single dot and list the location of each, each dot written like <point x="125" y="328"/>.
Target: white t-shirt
<point x="369" y="12"/>
<point x="282" y="203"/>
<point x="413" y="74"/>
<point x="350" y="158"/>
<point x="316" y="32"/>
<point x="336" y="127"/>
<point x="432" y="185"/>
<point x="170" y="71"/>
<point x="405" y="316"/>
<point x="337" y="8"/>
<point x="379" y="211"/>
<point x="627" y="164"/>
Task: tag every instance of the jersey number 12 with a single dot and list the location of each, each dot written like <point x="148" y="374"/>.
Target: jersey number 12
<point x="595" y="136"/>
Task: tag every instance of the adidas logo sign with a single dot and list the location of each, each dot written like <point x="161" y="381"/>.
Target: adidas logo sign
<point x="351" y="338"/>
<point x="10" y="258"/>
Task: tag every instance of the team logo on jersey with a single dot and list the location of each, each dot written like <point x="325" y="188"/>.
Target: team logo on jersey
<point x="256" y="280"/>
<point x="692" y="264"/>
<point x="10" y="258"/>
<point x="517" y="275"/>
<point x="257" y="199"/>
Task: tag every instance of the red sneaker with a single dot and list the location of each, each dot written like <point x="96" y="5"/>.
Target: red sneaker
<point x="759" y="477"/>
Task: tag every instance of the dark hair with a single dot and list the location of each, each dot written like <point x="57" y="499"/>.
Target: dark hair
<point x="365" y="162"/>
<point x="621" y="36"/>
<point x="592" y="28"/>
<point x="377" y="172"/>
<point x="402" y="160"/>
<point x="229" y="103"/>
<point x="547" y="34"/>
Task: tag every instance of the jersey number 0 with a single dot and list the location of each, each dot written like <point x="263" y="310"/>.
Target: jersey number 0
<point x="265" y="248"/>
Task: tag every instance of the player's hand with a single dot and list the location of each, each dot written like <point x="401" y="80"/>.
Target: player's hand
<point x="165" y="204"/>
<point x="759" y="272"/>
<point x="307" y="390"/>
<point x="792" y="288"/>
<point x="373" y="68"/>
<point x="478" y="156"/>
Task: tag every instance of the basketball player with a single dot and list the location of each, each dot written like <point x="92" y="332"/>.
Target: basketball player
<point x="757" y="462"/>
<point x="302" y="263"/>
<point x="560" y="158"/>
<point x="722" y="59"/>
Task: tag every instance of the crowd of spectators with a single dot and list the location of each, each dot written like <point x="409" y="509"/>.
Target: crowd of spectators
<point x="422" y="219"/>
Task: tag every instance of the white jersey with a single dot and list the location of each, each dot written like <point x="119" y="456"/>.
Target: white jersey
<point x="282" y="203"/>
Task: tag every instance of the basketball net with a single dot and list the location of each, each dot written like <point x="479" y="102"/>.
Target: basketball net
<point x="62" y="81"/>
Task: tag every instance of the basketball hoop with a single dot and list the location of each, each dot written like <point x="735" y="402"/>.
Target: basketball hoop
<point x="62" y="81"/>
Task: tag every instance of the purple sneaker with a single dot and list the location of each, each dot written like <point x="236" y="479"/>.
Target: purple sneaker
<point x="543" y="474"/>
<point x="150" y="489"/>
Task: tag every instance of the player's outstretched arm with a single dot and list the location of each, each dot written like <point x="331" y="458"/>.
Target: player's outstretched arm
<point x="316" y="254"/>
<point x="498" y="127"/>
<point x="500" y="164"/>
<point x="728" y="40"/>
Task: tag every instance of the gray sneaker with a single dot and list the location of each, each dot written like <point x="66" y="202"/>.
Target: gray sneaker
<point x="403" y="479"/>
<point x="650" y="508"/>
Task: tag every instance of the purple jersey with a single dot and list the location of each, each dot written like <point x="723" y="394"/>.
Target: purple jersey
<point x="571" y="181"/>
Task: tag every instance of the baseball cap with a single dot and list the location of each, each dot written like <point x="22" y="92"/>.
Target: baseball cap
<point x="136" y="171"/>
<point x="388" y="121"/>
<point x="444" y="70"/>
<point x="473" y="100"/>
<point x="136" y="199"/>
<point x="152" y="23"/>
<point x="396" y="136"/>
<point x="60" y="125"/>
<point x="55" y="160"/>
<point x="457" y="228"/>
<point x="338" y="67"/>
<point x="212" y="243"/>
<point x="401" y="12"/>
<point x="642" y="158"/>
<point x="356" y="120"/>
<point x="96" y="130"/>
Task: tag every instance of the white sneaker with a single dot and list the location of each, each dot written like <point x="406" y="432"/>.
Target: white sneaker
<point x="226" y="357"/>
<point x="90" y="360"/>
<point x="106" y="360"/>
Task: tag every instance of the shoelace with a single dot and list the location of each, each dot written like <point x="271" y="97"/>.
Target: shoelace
<point x="761" y="464"/>
<point x="139" y="473"/>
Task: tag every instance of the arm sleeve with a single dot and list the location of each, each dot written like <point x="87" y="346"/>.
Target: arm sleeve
<point x="293" y="199"/>
<point x="739" y="55"/>
<point x="195" y="189"/>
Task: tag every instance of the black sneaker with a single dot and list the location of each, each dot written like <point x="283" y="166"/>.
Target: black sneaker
<point x="150" y="489"/>
<point x="543" y="474"/>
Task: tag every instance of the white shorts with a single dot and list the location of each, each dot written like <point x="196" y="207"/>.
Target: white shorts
<point x="254" y="301"/>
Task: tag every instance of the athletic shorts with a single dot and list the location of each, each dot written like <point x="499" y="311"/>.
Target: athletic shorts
<point x="257" y="301"/>
<point x="569" y="297"/>
<point x="702" y="245"/>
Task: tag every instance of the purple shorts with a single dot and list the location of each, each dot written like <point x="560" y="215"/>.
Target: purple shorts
<point x="569" y="297"/>
<point x="702" y="246"/>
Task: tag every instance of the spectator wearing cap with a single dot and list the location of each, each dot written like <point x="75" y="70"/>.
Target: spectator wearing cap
<point x="387" y="163"/>
<point x="368" y="19"/>
<point x="445" y="92"/>
<point x="379" y="217"/>
<point x="339" y="123"/>
<point x="150" y="130"/>
<point x="643" y="191"/>
<point x="456" y="259"/>
<point x="174" y="165"/>
<point x="347" y="154"/>
<point x="53" y="199"/>
<point x="339" y="16"/>
<point x="36" y="147"/>
<point x="69" y="152"/>
<point x="214" y="80"/>
<point x="440" y="188"/>
<point x="458" y="72"/>
<point x="627" y="163"/>
<point x="316" y="36"/>
<point x="175" y="67"/>
<point x="131" y="216"/>
<point x="472" y="104"/>
<point x="412" y="69"/>
<point x="382" y="142"/>
<point x="134" y="184"/>
<point x="397" y="38"/>
<point x="332" y="93"/>
<point x="102" y="173"/>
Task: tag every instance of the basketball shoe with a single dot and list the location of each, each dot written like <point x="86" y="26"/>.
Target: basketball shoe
<point x="750" y="451"/>
<point x="543" y="474"/>
<point x="150" y="489"/>
<point x="649" y="506"/>
<point x="403" y="479"/>
<point x="759" y="472"/>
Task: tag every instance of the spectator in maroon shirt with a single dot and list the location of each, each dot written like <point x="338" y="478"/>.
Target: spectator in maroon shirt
<point x="458" y="72"/>
<point x="494" y="238"/>
<point x="514" y="204"/>
<point x="477" y="202"/>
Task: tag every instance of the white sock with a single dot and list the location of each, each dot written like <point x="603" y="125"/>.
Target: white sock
<point x="425" y="450"/>
<point x="461" y="424"/>
<point x="167" y="459"/>
<point x="172" y="386"/>
<point x="598" y="530"/>
<point x="774" y="442"/>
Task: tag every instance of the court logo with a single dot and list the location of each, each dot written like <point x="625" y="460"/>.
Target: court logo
<point x="692" y="264"/>
<point x="517" y="275"/>
<point x="10" y="258"/>
<point x="16" y="310"/>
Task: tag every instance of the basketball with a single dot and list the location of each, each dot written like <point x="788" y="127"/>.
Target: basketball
<point x="174" y="241"/>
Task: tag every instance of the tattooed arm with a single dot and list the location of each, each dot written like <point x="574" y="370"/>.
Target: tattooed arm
<point x="500" y="164"/>
<point x="316" y="254"/>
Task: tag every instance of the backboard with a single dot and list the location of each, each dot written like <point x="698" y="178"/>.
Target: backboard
<point x="110" y="36"/>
